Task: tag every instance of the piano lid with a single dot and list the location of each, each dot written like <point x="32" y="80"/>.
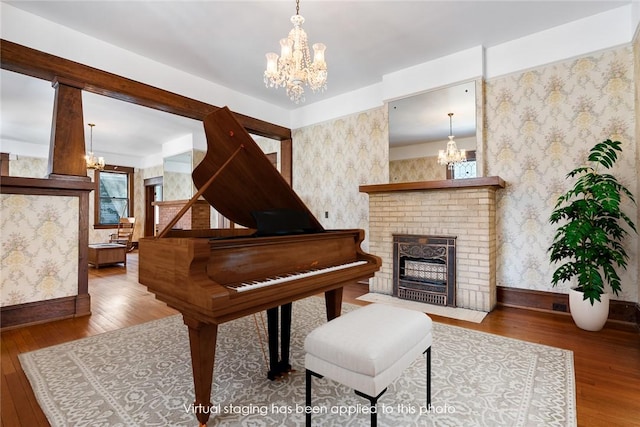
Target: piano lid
<point x="249" y="183"/>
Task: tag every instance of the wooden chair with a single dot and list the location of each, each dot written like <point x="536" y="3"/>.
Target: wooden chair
<point x="124" y="234"/>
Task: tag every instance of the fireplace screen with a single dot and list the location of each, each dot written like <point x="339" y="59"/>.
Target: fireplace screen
<point x="430" y="270"/>
<point x="424" y="269"/>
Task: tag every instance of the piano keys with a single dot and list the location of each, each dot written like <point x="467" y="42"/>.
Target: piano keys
<point x="283" y="254"/>
<point x="271" y="281"/>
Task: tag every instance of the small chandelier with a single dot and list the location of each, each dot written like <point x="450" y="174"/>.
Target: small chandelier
<point x="294" y="68"/>
<point x="451" y="155"/>
<point x="93" y="162"/>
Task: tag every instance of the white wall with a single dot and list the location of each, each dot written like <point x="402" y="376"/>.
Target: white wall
<point x="38" y="33"/>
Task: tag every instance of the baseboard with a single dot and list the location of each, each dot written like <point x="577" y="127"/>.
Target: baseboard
<point x="622" y="311"/>
<point x="32" y="313"/>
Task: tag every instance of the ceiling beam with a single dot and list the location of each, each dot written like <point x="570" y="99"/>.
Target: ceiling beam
<point x="35" y="63"/>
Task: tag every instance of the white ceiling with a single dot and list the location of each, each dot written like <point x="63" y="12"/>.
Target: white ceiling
<point x="225" y="42"/>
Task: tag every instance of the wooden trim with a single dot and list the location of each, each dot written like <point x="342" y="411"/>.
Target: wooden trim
<point x="96" y="195"/>
<point x="286" y="160"/>
<point x="623" y="311"/>
<point x="83" y="245"/>
<point x="42" y="184"/>
<point x="4" y="164"/>
<point x="32" y="313"/>
<point x="491" y="181"/>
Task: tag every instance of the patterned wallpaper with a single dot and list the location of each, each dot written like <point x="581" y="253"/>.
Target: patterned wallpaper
<point x="420" y="169"/>
<point x="28" y="167"/>
<point x="34" y="228"/>
<point x="330" y="161"/>
<point x="177" y="186"/>
<point x="540" y="125"/>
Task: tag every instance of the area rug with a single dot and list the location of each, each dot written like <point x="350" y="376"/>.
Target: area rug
<point x="141" y="376"/>
<point x="474" y="316"/>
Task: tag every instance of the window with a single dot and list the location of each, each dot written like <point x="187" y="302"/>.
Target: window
<point x="466" y="169"/>
<point x="114" y="195"/>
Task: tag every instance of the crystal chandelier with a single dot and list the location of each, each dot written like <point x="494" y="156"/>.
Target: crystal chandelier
<point x="93" y="162"/>
<point x="451" y="155"/>
<point x="294" y="68"/>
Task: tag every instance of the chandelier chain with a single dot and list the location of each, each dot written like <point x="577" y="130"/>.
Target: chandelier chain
<point x="93" y="162"/>
<point x="450" y="123"/>
<point x="451" y="155"/>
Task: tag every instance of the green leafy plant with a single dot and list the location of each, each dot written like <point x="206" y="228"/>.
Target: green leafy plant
<point x="591" y="238"/>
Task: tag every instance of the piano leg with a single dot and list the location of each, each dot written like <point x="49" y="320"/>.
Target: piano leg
<point x="333" y="302"/>
<point x="279" y="365"/>
<point x="202" y="341"/>
<point x="285" y="338"/>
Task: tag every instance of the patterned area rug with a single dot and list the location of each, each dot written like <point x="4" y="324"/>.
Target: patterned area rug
<point x="141" y="376"/>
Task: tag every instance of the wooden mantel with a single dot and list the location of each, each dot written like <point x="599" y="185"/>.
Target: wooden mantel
<point x="445" y="184"/>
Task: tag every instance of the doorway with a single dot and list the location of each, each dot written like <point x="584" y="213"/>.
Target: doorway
<point x="152" y="193"/>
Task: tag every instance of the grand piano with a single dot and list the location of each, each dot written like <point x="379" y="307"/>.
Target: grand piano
<point x="279" y="254"/>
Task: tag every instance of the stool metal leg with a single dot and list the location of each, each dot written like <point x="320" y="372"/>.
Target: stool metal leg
<point x="308" y="399"/>
<point x="374" y="401"/>
<point x="428" y="353"/>
<point x="308" y="396"/>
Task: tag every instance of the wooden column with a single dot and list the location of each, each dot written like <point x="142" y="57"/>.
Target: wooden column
<point x="66" y="149"/>
<point x="4" y="164"/>
<point x="286" y="160"/>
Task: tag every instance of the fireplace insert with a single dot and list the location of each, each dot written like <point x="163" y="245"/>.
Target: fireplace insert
<point x="424" y="268"/>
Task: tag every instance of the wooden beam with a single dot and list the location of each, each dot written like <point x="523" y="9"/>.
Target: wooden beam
<point x="25" y="60"/>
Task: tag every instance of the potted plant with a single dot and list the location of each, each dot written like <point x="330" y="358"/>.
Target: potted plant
<point x="591" y="235"/>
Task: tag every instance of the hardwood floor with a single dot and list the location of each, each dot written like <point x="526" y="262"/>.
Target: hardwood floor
<point x="607" y="363"/>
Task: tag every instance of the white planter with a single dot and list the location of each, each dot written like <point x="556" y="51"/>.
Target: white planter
<point x="586" y="316"/>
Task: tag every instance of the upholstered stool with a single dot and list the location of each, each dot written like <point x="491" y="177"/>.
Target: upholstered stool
<point x="367" y="349"/>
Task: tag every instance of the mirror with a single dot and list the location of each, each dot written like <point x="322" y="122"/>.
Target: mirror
<point x="271" y="148"/>
<point x="176" y="181"/>
<point x="419" y="127"/>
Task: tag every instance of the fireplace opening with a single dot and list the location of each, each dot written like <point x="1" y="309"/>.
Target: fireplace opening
<point x="424" y="269"/>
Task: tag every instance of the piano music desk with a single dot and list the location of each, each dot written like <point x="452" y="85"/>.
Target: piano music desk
<point x="107" y="253"/>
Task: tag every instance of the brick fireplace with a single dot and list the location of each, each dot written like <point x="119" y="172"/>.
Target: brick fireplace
<point x="464" y="209"/>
